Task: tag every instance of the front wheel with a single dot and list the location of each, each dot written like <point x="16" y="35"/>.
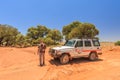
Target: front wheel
<point x="64" y="59"/>
<point x="93" y="56"/>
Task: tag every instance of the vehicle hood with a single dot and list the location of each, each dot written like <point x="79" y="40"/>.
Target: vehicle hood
<point x="62" y="47"/>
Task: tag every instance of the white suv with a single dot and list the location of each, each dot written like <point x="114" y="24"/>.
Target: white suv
<point x="76" y="48"/>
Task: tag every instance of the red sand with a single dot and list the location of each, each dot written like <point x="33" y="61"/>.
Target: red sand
<point x="22" y="64"/>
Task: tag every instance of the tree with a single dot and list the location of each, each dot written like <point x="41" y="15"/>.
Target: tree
<point x="67" y="29"/>
<point x="48" y="41"/>
<point x="32" y="33"/>
<point x="75" y="33"/>
<point x="80" y="30"/>
<point x="55" y="35"/>
<point x="8" y="35"/>
<point x="20" y="39"/>
<point x="35" y="33"/>
<point x="88" y="30"/>
<point x="42" y="31"/>
<point x="2" y="33"/>
<point x="117" y="43"/>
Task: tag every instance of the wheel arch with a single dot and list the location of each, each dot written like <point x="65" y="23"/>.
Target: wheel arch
<point x="66" y="53"/>
<point x="93" y="52"/>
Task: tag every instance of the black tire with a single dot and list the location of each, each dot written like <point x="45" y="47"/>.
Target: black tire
<point x="64" y="59"/>
<point x="93" y="56"/>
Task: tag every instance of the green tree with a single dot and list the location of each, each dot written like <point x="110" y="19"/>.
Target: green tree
<point x="22" y="41"/>
<point x="80" y="30"/>
<point x="42" y="31"/>
<point x="2" y="33"/>
<point x="35" y="33"/>
<point x="8" y="35"/>
<point x="48" y="41"/>
<point x="117" y="43"/>
<point x="68" y="28"/>
<point x="19" y="40"/>
<point x="32" y="33"/>
<point x="88" y="30"/>
<point x="55" y="35"/>
<point x="75" y="33"/>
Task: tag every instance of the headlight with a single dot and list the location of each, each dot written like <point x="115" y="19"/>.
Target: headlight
<point x="54" y="51"/>
<point x="57" y="51"/>
<point x="51" y="51"/>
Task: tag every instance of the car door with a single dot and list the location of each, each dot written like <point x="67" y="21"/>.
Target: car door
<point x="87" y="47"/>
<point x="79" y="48"/>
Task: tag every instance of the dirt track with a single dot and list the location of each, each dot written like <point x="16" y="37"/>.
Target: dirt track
<point x="22" y="64"/>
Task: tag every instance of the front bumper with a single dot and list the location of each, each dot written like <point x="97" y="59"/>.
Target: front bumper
<point x="53" y="53"/>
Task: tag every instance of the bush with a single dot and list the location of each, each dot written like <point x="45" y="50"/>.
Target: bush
<point x="117" y="43"/>
<point x="48" y="41"/>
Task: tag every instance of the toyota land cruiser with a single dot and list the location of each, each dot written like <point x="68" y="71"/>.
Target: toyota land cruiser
<point x="76" y="48"/>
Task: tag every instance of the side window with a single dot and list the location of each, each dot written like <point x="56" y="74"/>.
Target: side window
<point x="87" y="44"/>
<point x="96" y="43"/>
<point x="79" y="44"/>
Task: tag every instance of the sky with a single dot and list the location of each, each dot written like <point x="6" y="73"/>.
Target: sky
<point x="54" y="14"/>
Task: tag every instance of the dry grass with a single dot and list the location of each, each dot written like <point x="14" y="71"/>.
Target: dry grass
<point x="108" y="45"/>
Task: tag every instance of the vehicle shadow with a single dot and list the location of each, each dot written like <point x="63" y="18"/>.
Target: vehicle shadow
<point x="83" y="60"/>
<point x="55" y="62"/>
<point x="73" y="61"/>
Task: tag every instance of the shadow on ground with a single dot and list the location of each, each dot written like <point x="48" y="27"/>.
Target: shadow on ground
<point x="73" y="61"/>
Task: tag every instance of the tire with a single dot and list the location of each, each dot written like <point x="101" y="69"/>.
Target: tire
<point x="64" y="59"/>
<point x="93" y="56"/>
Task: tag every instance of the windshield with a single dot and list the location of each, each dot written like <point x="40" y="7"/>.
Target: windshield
<point x="70" y="43"/>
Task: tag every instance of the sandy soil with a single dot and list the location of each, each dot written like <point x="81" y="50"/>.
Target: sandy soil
<point x="23" y="64"/>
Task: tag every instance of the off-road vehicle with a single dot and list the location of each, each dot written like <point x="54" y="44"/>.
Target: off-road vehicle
<point x="76" y="48"/>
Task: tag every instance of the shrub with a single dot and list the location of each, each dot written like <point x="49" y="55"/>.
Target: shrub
<point x="48" y="41"/>
<point x="117" y="43"/>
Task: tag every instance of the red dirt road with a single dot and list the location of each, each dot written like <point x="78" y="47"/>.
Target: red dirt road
<point x="22" y="64"/>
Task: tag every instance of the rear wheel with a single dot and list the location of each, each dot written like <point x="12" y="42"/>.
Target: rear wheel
<point x="93" y="56"/>
<point x="64" y="59"/>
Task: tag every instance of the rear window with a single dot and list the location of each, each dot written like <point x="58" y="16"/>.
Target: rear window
<point x="96" y="43"/>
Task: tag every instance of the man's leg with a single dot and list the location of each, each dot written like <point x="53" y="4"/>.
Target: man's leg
<point x="40" y="59"/>
<point x="43" y="58"/>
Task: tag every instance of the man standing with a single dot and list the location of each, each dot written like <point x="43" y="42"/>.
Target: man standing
<point x="41" y="53"/>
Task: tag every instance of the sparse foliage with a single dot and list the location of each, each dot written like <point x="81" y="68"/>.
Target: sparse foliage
<point x="80" y="30"/>
<point x="55" y="35"/>
<point x="117" y="43"/>
<point x="50" y="37"/>
<point x="10" y="36"/>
